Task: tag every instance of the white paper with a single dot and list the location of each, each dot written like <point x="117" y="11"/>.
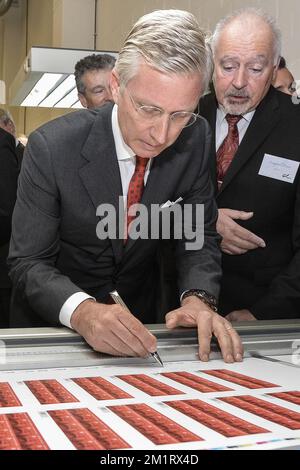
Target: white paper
<point x="282" y="169"/>
<point x="282" y="378"/>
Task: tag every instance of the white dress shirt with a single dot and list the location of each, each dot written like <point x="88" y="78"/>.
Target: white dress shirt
<point x="126" y="160"/>
<point x="222" y="126"/>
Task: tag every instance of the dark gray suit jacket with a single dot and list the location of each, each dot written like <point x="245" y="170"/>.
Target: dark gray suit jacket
<point x="8" y="190"/>
<point x="70" y="167"/>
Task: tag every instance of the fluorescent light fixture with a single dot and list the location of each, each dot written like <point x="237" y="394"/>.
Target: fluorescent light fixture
<point x="47" y="82"/>
<point x="46" y="78"/>
<point x="68" y="100"/>
<point x="59" y="92"/>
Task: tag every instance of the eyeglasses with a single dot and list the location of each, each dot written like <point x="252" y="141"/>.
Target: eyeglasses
<point x="152" y="113"/>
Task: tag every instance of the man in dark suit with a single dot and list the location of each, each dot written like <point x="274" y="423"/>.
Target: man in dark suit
<point x="7" y="123"/>
<point x="62" y="265"/>
<point x="255" y="168"/>
<point x="8" y="191"/>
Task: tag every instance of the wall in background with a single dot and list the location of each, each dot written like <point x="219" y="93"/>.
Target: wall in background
<point x="112" y="27"/>
<point x="70" y="23"/>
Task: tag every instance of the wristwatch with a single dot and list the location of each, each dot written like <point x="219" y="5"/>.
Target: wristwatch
<point x="207" y="298"/>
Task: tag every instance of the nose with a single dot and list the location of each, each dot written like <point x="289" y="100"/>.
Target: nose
<point x="240" y="78"/>
<point x="160" y="129"/>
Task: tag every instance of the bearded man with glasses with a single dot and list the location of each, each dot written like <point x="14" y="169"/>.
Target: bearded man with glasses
<point x="149" y="147"/>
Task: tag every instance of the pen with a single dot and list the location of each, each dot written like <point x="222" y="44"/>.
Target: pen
<point x="118" y="300"/>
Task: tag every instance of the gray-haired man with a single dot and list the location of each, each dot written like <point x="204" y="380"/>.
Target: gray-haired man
<point x="256" y="171"/>
<point x="58" y="263"/>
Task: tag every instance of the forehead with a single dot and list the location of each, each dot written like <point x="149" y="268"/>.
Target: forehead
<point x="95" y="77"/>
<point x="157" y="86"/>
<point x="245" y="40"/>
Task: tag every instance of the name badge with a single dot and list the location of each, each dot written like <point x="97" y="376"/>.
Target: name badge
<point x="279" y="168"/>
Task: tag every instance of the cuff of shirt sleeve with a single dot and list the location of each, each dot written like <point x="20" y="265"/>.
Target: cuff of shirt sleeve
<point x="70" y="306"/>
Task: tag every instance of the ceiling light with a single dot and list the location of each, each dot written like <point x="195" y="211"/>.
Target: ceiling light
<point x="61" y="90"/>
<point x="46" y="78"/>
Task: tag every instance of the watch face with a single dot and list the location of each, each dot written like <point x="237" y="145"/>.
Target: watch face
<point x="207" y="296"/>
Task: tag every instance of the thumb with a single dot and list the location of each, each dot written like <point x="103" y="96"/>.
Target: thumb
<point x="171" y="319"/>
<point x="241" y="215"/>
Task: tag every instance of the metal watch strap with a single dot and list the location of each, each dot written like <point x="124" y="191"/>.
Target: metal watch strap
<point x="207" y="298"/>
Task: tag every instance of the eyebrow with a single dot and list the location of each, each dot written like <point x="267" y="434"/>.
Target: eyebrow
<point x="97" y="88"/>
<point x="260" y="57"/>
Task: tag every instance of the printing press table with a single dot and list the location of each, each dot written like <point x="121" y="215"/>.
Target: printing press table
<point x="60" y="347"/>
<point x="48" y="361"/>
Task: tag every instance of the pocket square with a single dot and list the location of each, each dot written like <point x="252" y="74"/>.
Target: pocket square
<point x="170" y="203"/>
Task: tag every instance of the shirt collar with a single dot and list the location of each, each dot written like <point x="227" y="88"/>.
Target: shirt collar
<point x="123" y="151"/>
<point x="221" y="116"/>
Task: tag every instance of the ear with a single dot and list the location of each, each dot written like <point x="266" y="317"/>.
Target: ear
<point x="115" y="85"/>
<point x="82" y="100"/>
<point x="275" y="69"/>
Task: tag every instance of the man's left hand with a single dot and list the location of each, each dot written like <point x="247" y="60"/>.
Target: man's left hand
<point x="194" y="312"/>
<point x="240" y="315"/>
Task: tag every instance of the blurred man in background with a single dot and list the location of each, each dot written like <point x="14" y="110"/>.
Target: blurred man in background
<point x="92" y="76"/>
<point x="7" y="123"/>
<point x="284" y="80"/>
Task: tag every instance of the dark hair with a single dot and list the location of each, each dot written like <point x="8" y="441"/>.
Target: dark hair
<point x="282" y="63"/>
<point x="92" y="62"/>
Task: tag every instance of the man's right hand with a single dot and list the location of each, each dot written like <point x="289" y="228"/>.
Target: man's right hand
<point x="111" y="329"/>
<point x="236" y="240"/>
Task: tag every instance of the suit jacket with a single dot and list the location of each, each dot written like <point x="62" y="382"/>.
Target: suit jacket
<point x="8" y="191"/>
<point x="69" y="169"/>
<point x="266" y="280"/>
<point x="20" y="152"/>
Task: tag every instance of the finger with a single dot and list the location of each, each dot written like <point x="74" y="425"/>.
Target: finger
<point x="236" y="242"/>
<point x="178" y="318"/>
<point x="224" y="333"/>
<point x="230" y="249"/>
<point x="115" y="340"/>
<point x="204" y="325"/>
<point x="110" y="344"/>
<point x="238" y="349"/>
<point x="130" y="341"/>
<point x="107" y="348"/>
<point x="241" y="233"/>
<point x="141" y="336"/>
<point x="241" y="215"/>
<point x="234" y="214"/>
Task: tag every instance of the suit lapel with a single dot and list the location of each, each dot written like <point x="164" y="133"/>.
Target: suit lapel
<point x="101" y="175"/>
<point x="265" y="118"/>
<point x="159" y="183"/>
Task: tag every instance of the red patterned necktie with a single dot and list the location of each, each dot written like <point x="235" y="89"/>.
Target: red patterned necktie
<point x="228" y="148"/>
<point x="135" y="189"/>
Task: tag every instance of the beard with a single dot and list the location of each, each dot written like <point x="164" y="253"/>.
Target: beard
<point x="233" y="106"/>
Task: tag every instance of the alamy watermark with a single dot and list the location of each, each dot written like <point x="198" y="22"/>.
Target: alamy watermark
<point x="174" y="221"/>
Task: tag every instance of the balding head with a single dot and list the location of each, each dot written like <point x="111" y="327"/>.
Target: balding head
<point x="253" y="22"/>
<point x="246" y="48"/>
